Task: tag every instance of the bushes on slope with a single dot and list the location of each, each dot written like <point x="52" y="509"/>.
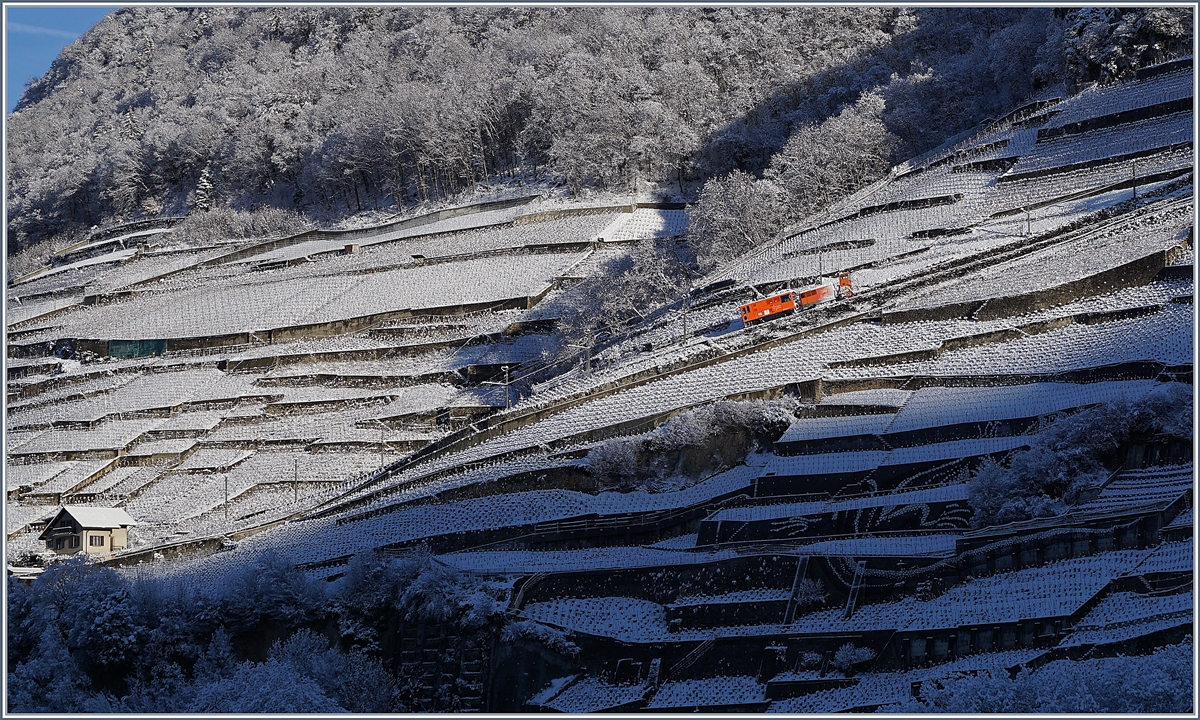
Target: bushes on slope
<point x="84" y="638"/>
<point x="1076" y="453"/>
<point x="699" y="441"/>
<point x="1158" y="683"/>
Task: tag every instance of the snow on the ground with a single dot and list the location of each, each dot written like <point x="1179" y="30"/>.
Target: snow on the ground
<point x="1140" y="136"/>
<point x="107" y="483"/>
<point x="31" y="475"/>
<point x="887" y="397"/>
<point x="1125" y="615"/>
<point x="18" y="515"/>
<point x="628" y="619"/>
<point x="74" y="473"/>
<point x="824" y="464"/>
<point x="356" y="424"/>
<point x="515" y="562"/>
<point x="954" y="450"/>
<point x="151" y="391"/>
<point x="1165" y="336"/>
<point x="722" y="690"/>
<point x="1118" y="97"/>
<point x="1131" y="488"/>
<point x="932" y="545"/>
<point x="646" y="223"/>
<point x="67" y="388"/>
<point x="213" y="458"/>
<point x="1054" y="590"/>
<point x="808" y="429"/>
<point x="118" y="256"/>
<point x="730" y="598"/>
<point x="756" y="513"/>
<point x="936" y="406"/>
<point x="111" y="435"/>
<point x="1056" y="265"/>
<point x="178" y="496"/>
<point x="894" y="687"/>
<point x="1173" y="557"/>
<point x="593" y="695"/>
<point x="262" y="303"/>
<point x="20" y="312"/>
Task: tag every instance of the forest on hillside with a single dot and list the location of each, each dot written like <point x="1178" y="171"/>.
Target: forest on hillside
<point x="323" y="113"/>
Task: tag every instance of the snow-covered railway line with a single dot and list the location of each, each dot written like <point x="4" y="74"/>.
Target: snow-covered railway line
<point x="1080" y="348"/>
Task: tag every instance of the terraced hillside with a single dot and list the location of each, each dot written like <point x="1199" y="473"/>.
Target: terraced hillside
<point x="805" y="528"/>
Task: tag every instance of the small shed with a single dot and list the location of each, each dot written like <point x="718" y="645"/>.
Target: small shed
<point x="93" y="530"/>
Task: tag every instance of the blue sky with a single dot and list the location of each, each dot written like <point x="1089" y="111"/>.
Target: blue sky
<point x="34" y="36"/>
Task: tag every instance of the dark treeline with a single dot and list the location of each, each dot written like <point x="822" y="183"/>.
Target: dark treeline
<point x="263" y="637"/>
<point x="332" y="111"/>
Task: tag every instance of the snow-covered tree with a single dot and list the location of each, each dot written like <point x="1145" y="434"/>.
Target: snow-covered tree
<point x="823" y="163"/>
<point x="270" y="687"/>
<point x="1106" y="44"/>
<point x="205" y="192"/>
<point x="734" y="214"/>
<point x="49" y="679"/>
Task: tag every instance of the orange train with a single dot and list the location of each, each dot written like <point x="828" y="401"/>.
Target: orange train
<point x="786" y="302"/>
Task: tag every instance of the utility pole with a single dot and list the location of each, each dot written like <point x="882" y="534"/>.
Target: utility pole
<point x="1028" y="203"/>
<point x="296" y="480"/>
<point x="506" y="383"/>
<point x="381" y="426"/>
<point x="507" y="398"/>
<point x="587" y="358"/>
<point x="687" y="301"/>
<point x="226" y="500"/>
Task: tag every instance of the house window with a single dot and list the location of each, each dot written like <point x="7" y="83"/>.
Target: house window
<point x="74" y="541"/>
<point x="96" y="541"/>
<point x="58" y="543"/>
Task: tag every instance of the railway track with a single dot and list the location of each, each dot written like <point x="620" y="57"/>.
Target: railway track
<point x="864" y="306"/>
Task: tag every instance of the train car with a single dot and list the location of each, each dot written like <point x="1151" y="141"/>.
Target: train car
<point x="777" y="305"/>
<point x="788" y="301"/>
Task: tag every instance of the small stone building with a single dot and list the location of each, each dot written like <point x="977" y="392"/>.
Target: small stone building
<point x="90" y="529"/>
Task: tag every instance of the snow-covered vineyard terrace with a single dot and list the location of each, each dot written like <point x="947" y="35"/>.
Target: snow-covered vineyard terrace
<point x="573" y="479"/>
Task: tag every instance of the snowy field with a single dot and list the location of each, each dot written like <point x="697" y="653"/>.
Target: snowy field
<point x="245" y="307"/>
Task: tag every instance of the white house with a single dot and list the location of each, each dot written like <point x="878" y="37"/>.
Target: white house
<point x="93" y="530"/>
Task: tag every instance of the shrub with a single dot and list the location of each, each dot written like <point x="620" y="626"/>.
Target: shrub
<point x="848" y="656"/>
<point x="731" y="428"/>
<point x="810" y="593"/>
<point x="553" y="639"/>
<point x="225" y="223"/>
<point x="615" y="464"/>
<point x="441" y="594"/>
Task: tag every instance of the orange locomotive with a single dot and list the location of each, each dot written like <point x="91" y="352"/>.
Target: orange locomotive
<point x="785" y="303"/>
